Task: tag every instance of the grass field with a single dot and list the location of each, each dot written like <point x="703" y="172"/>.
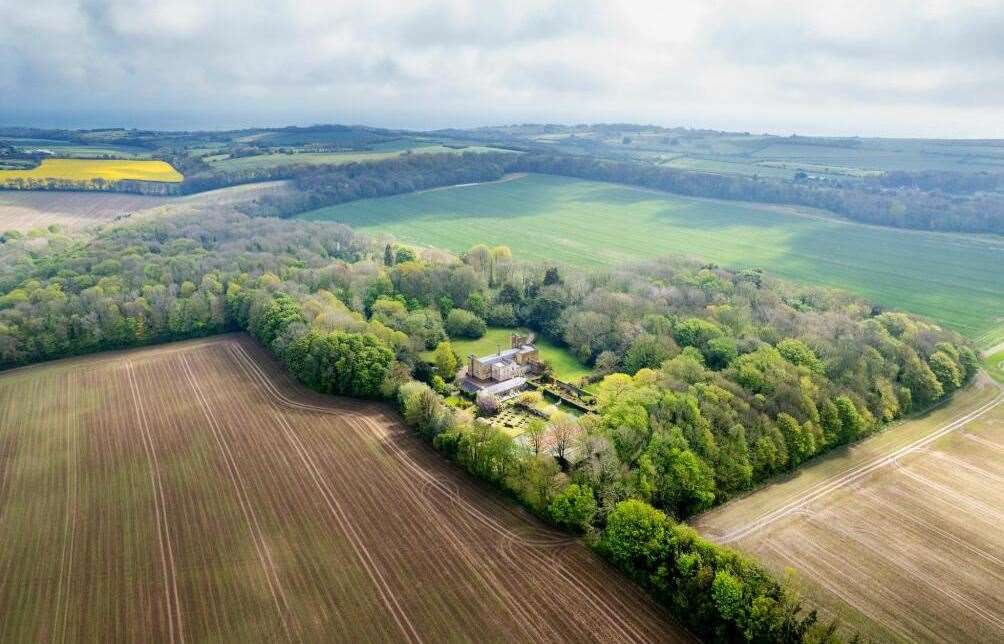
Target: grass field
<point x="191" y="493"/>
<point x="954" y="279"/>
<point x="900" y="535"/>
<point x="566" y="366"/>
<point x="26" y="209"/>
<point x="334" y="158"/>
<point x="994" y="364"/>
<point x="87" y="169"/>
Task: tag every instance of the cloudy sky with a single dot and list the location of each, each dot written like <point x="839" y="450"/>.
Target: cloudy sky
<point x="908" y="68"/>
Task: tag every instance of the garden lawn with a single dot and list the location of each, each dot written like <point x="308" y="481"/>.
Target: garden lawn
<point x="566" y="366"/>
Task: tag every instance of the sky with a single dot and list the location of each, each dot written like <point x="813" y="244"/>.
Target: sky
<point x="889" y="68"/>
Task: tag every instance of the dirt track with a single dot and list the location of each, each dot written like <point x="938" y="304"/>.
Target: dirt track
<point x="902" y="536"/>
<point x="192" y="492"/>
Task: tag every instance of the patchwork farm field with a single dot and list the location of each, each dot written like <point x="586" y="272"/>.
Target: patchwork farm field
<point x="191" y="492"/>
<point x="900" y="536"/>
<point x="107" y="169"/>
<point x="951" y="278"/>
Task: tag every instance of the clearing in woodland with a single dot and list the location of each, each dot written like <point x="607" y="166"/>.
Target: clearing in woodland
<point x="902" y="535"/>
<point x="951" y="278"/>
<point x="192" y="492"/>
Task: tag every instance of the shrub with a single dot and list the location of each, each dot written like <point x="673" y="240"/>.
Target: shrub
<point x="461" y="323"/>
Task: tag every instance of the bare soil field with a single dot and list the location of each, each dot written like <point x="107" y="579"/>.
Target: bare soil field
<point x="902" y="536"/>
<point x="23" y="210"/>
<point x="192" y="492"/>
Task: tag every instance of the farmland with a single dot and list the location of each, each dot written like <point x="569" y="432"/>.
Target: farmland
<point x="899" y="535"/>
<point x="191" y="492"/>
<point x="88" y="169"/>
<point x="278" y="159"/>
<point x="24" y="210"/>
<point x="951" y="278"/>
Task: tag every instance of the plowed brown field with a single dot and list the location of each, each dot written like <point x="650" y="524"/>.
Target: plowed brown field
<point x="191" y="492"/>
<point x="903" y="535"/>
<point x="23" y="210"/>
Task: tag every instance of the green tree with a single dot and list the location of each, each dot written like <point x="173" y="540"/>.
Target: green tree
<point x="636" y="537"/>
<point x="404" y="254"/>
<point x="946" y="371"/>
<point x="647" y="352"/>
<point x="719" y="352"/>
<point x="678" y="479"/>
<point x="695" y="332"/>
<point x="574" y="507"/>
<point x="851" y="423"/>
<point x="727" y="592"/>
<point x="446" y="360"/>
<point x="799" y="354"/>
<point x="464" y="324"/>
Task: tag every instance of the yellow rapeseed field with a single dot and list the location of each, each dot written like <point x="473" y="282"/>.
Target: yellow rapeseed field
<point x="107" y="169"/>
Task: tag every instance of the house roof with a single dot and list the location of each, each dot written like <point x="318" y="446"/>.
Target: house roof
<point x="506" y="355"/>
<point x="502" y="356"/>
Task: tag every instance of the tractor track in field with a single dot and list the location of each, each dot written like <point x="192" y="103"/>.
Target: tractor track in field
<point x="363" y="553"/>
<point x="240" y="488"/>
<point x="62" y="612"/>
<point x="172" y="604"/>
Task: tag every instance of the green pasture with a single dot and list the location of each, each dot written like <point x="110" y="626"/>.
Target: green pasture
<point x="951" y="278"/>
<point x="278" y="159"/>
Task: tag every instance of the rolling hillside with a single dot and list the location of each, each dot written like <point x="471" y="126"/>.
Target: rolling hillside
<point x="949" y="277"/>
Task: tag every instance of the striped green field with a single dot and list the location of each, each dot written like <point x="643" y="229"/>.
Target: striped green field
<point x="951" y="278"/>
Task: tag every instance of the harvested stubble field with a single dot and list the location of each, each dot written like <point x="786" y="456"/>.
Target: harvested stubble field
<point x="901" y="536"/>
<point x="191" y="492"/>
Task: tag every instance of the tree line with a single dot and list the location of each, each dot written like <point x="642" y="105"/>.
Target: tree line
<point x="894" y="202"/>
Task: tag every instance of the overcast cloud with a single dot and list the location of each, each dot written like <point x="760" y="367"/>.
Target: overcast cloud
<point x="902" y="69"/>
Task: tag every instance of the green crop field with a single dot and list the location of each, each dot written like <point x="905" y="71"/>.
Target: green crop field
<point x="334" y="158"/>
<point x="566" y="366"/>
<point x="954" y="279"/>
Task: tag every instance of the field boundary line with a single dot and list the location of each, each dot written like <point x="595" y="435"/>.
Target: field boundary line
<point x="163" y="529"/>
<point x="240" y="487"/>
<point x="62" y="612"/>
<point x="362" y="552"/>
<point x="841" y="480"/>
